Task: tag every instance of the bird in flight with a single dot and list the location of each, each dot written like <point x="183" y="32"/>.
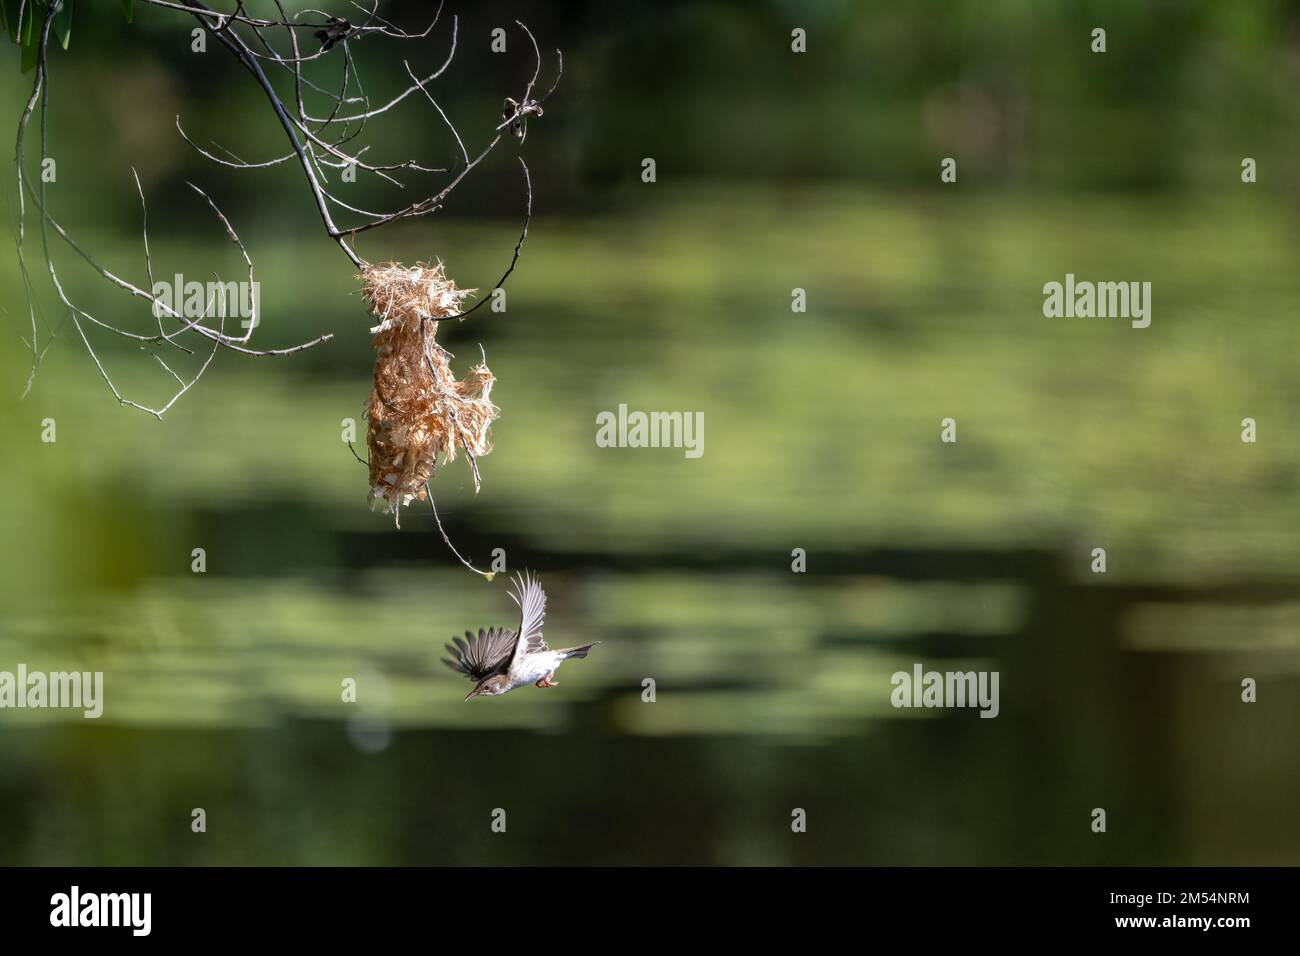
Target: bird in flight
<point x="498" y="660"/>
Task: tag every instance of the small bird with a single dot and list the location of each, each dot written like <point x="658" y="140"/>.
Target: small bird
<point x="498" y="660"/>
<point x="336" y="29"/>
<point x="516" y="115"/>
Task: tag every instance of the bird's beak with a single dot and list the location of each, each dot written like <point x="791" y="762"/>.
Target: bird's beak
<point x="473" y="693"/>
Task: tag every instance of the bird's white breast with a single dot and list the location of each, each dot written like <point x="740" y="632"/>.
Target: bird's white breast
<point x="534" y="667"/>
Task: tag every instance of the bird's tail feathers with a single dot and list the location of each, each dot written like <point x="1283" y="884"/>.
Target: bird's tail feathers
<point x="577" y="652"/>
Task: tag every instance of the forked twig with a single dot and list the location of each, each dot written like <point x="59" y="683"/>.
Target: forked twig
<point x="318" y="142"/>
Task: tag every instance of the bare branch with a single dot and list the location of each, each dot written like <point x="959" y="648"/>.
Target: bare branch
<point x="318" y="143"/>
<point x="459" y="142"/>
<point x="519" y="247"/>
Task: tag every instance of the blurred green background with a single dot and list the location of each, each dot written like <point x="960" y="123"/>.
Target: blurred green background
<point x="775" y="171"/>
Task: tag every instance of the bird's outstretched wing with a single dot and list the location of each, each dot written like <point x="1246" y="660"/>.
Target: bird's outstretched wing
<point x="532" y="608"/>
<point x="481" y="655"/>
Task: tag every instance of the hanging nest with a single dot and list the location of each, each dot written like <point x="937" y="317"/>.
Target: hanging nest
<point x="417" y="410"/>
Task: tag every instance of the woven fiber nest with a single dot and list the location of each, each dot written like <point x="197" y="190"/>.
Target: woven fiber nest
<point x="417" y="410"/>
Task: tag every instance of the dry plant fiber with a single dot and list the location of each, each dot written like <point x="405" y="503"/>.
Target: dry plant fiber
<point x="417" y="410"/>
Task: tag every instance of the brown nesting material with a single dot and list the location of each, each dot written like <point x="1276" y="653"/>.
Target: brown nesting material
<point x="417" y="410"/>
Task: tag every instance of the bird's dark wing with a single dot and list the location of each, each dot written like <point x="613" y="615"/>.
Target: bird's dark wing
<point x="532" y="612"/>
<point x="481" y="655"/>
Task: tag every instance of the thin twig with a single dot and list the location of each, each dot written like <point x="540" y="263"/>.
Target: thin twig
<point x="319" y="143"/>
<point x="438" y="521"/>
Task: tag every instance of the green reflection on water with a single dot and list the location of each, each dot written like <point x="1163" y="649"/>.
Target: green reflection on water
<point x="772" y="688"/>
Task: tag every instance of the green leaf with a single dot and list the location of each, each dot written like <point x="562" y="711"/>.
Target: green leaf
<point x="62" y="25"/>
<point x="9" y="12"/>
<point x="128" y="10"/>
<point x="30" y="52"/>
<point x="29" y="23"/>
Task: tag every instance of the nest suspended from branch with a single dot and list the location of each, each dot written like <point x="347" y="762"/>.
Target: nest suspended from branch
<point x="417" y="409"/>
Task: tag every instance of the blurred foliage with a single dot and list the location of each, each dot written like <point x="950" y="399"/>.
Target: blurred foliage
<point x="24" y="20"/>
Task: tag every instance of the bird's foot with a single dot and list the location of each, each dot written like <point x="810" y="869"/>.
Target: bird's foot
<point x="547" y="681"/>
